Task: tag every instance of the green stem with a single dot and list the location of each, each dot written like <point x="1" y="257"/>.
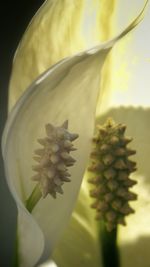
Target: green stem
<point x="108" y="242"/>
<point x="30" y="204"/>
<point x="16" y="256"/>
<point x="33" y="198"/>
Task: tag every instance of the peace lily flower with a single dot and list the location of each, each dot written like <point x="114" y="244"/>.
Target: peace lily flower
<point x="53" y="98"/>
<point x="126" y="99"/>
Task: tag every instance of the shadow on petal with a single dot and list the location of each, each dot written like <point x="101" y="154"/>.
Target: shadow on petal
<point x="79" y="245"/>
<point x="67" y="91"/>
<point x="60" y="94"/>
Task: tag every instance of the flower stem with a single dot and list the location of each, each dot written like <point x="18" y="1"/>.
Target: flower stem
<point x="108" y="242"/>
<point x="16" y="256"/>
<point x="30" y="204"/>
<point x="33" y="198"/>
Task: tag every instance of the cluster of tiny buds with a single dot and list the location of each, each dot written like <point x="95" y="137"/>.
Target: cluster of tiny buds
<point x="54" y="159"/>
<point x="110" y="170"/>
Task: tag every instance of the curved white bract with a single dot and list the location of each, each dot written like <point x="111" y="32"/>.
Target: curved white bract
<point x="67" y="91"/>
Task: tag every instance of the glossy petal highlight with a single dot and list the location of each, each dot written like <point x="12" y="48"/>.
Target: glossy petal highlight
<point x="60" y="93"/>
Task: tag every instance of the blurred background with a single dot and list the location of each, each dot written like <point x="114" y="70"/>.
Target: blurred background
<point x="127" y="70"/>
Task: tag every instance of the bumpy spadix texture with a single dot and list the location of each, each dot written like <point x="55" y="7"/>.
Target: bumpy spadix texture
<point x="111" y="169"/>
<point x="69" y="89"/>
<point x="54" y="159"/>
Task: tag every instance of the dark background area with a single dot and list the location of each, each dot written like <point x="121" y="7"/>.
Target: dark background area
<point x="14" y="18"/>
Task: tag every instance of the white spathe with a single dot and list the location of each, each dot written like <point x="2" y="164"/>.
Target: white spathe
<point x="61" y="93"/>
<point x="68" y="90"/>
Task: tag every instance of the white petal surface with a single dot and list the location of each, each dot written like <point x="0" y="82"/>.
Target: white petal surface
<point x="61" y="93"/>
<point x="66" y="91"/>
<point x="79" y="245"/>
<point x="59" y="29"/>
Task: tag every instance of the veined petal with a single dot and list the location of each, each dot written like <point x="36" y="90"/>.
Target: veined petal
<point x="59" y="29"/>
<point x="56" y="31"/>
<point x="67" y="91"/>
<point x="61" y="93"/>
